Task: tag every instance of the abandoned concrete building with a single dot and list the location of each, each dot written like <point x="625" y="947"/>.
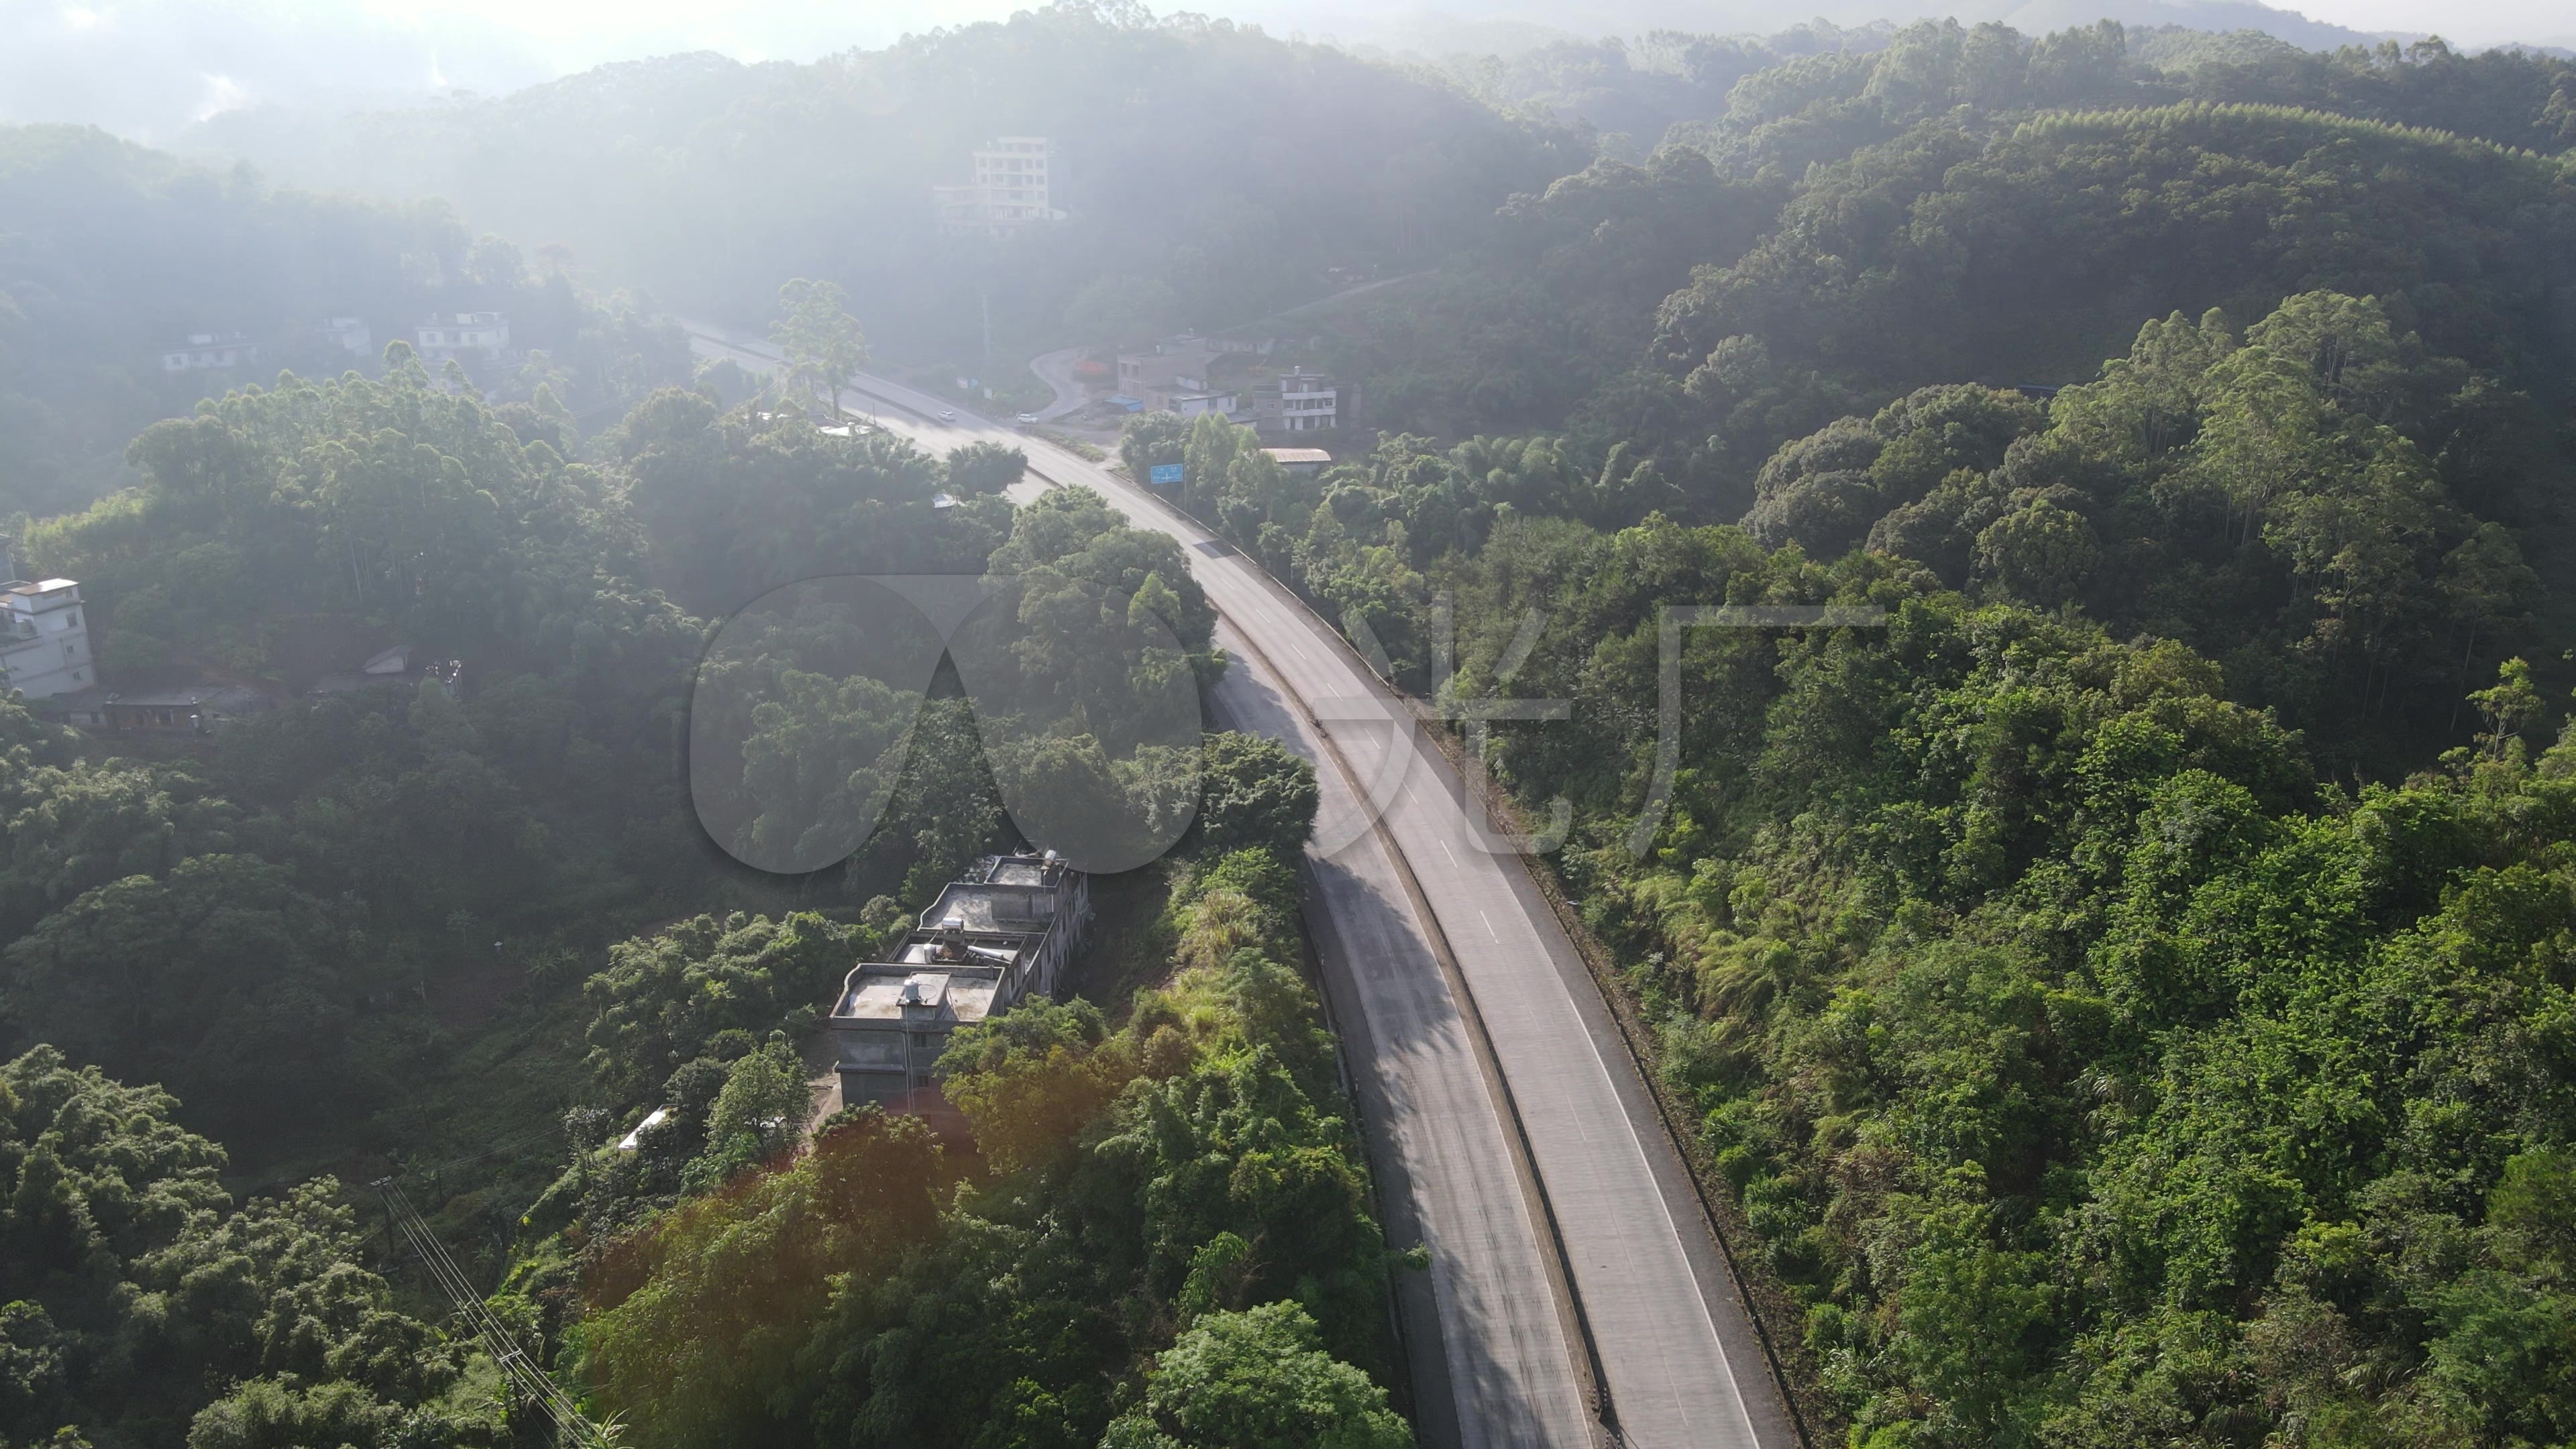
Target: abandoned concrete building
<point x="1002" y="934"/>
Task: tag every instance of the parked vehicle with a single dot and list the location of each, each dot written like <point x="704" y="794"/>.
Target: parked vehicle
<point x="1027" y="419"/>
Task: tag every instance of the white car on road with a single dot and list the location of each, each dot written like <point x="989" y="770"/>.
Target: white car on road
<point x="948" y="415"/>
<point x="1026" y="419"/>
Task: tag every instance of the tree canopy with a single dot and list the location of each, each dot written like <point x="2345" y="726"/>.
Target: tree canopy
<point x="2115" y="989"/>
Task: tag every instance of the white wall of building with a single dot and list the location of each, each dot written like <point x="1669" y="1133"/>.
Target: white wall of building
<point x="44" y="639"/>
<point x="1013" y="187"/>
<point x="1308" y="402"/>
<point x="482" y="334"/>
<point x="206" y="352"/>
<point x="350" y="334"/>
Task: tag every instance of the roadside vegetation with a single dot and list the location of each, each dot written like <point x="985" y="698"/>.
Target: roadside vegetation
<point x="2122" y="993"/>
<point x="470" y="931"/>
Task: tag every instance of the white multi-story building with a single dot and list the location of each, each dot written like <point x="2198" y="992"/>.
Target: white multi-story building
<point x="1308" y="401"/>
<point x="1013" y="187"/>
<point x="478" y="334"/>
<point x="206" y="352"/>
<point x="44" y="646"/>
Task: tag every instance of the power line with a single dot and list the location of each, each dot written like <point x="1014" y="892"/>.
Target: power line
<point x="572" y="1428"/>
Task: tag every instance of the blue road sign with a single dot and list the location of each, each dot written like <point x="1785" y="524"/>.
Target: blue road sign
<point x="1166" y="473"/>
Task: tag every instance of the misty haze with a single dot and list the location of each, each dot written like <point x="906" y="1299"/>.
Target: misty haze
<point x="1647" y="724"/>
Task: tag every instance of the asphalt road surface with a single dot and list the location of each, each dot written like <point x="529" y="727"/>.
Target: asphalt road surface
<point x="1508" y="1130"/>
<point x="1055" y="369"/>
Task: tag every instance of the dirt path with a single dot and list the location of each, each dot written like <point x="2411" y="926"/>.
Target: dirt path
<point x="822" y="1071"/>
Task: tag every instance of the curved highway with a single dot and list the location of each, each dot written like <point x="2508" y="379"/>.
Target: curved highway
<point x="1576" y="1296"/>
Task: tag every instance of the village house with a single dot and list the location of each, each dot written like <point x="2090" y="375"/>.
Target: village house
<point x="206" y="352"/>
<point x="1004" y="932"/>
<point x="1177" y="377"/>
<point x="44" y="644"/>
<point x="1175" y="362"/>
<point x="1301" y="462"/>
<point x="471" y="334"/>
<point x="195" y="709"/>
<point x="1300" y="402"/>
<point x="350" y="334"/>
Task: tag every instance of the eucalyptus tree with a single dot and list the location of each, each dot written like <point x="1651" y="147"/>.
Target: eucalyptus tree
<point x="823" y="343"/>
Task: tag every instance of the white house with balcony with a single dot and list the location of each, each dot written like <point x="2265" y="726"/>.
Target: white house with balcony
<point x="208" y="352"/>
<point x="44" y="645"/>
<point x="484" y="335"/>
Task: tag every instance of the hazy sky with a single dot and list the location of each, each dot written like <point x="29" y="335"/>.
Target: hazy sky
<point x="2489" y="18"/>
<point x="150" y="67"/>
<point x="578" y="33"/>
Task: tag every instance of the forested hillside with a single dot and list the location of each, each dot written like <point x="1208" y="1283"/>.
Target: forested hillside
<point x="148" y="1307"/>
<point x="1671" y="85"/>
<point x="2092" y="1071"/>
<point x="1942" y="257"/>
<point x="467" y="925"/>
<point x="1185" y="1182"/>
<point x="2122" y="992"/>
<point x="2105" y="1043"/>
<point x="113" y="255"/>
<point x="1211" y="173"/>
<point x="1984" y="206"/>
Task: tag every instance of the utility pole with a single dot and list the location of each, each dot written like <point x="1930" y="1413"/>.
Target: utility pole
<point x="986" y="294"/>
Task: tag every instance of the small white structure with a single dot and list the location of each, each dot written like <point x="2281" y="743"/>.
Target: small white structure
<point x="44" y="646"/>
<point x="635" y="1139"/>
<point x="1012" y="189"/>
<point x="349" y="334"/>
<point x="403" y="664"/>
<point x="1190" y="404"/>
<point x="207" y="352"/>
<point x="472" y="334"/>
